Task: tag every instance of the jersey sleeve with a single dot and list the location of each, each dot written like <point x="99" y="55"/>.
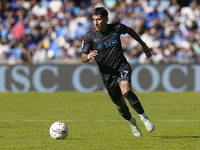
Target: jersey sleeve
<point x="122" y="28"/>
<point x="86" y="44"/>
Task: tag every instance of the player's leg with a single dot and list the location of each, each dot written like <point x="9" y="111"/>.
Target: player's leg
<point x="116" y="96"/>
<point x="123" y="109"/>
<point x="125" y="86"/>
<point x="125" y="113"/>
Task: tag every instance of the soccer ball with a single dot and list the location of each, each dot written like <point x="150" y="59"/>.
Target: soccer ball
<point x="58" y="130"/>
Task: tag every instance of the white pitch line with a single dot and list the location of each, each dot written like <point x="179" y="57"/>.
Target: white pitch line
<point x="173" y="120"/>
<point x="60" y="120"/>
<point x="179" y="120"/>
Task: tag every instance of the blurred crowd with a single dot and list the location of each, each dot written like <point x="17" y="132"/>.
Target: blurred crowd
<point x="34" y="32"/>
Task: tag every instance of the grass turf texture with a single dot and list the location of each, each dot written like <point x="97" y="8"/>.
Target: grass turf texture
<point x="94" y="122"/>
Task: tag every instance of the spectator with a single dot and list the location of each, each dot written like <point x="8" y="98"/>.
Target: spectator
<point x="39" y="53"/>
<point x="26" y="56"/>
<point x="55" y="5"/>
<point x="196" y="48"/>
<point x="39" y="10"/>
<point x="18" y="30"/>
<point x="44" y="3"/>
<point x="4" y="48"/>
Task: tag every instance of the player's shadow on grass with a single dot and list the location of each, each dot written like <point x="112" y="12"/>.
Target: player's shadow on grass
<point x="178" y="137"/>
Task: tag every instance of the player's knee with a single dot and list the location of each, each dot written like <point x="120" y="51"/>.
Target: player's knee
<point x="131" y="96"/>
<point x="124" y="91"/>
<point x="125" y="87"/>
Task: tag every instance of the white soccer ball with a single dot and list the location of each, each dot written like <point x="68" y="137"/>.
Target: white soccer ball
<point x="58" y="130"/>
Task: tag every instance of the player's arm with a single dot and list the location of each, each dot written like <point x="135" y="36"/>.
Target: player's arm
<point x="134" y="35"/>
<point x="87" y="57"/>
<point x="84" y="57"/>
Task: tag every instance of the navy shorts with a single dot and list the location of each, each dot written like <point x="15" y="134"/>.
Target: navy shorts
<point x="113" y="84"/>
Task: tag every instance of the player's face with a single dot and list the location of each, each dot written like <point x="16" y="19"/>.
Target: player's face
<point x="100" y="23"/>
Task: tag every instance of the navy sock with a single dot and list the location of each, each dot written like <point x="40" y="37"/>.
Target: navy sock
<point x="125" y="113"/>
<point x="134" y="102"/>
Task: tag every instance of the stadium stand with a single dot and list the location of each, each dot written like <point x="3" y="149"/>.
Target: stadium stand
<point x="51" y="31"/>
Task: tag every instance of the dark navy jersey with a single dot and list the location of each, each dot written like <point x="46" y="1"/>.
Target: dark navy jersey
<point x="110" y="57"/>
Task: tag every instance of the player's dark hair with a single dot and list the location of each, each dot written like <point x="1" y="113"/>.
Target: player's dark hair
<point x="100" y="11"/>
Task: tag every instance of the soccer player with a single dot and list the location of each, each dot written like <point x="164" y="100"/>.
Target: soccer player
<point x="103" y="44"/>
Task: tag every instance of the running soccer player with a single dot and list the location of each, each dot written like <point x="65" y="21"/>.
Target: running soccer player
<point x="103" y="44"/>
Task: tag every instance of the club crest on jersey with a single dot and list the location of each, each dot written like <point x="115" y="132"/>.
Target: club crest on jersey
<point x="115" y="34"/>
<point x="100" y="47"/>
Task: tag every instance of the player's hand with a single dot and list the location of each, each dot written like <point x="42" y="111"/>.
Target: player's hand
<point x="93" y="54"/>
<point x="147" y="51"/>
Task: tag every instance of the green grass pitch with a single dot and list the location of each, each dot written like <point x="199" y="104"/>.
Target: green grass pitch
<point x="94" y="122"/>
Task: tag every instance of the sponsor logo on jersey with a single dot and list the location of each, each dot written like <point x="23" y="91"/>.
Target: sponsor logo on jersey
<point x="111" y="43"/>
<point x="108" y="44"/>
<point x="100" y="47"/>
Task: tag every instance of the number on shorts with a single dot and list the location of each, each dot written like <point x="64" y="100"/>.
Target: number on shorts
<point x="124" y="74"/>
